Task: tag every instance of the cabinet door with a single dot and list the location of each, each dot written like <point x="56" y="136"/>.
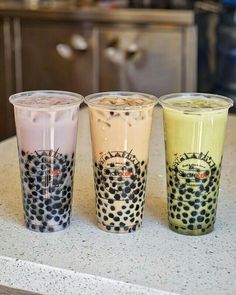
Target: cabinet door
<point x="141" y="59"/>
<point x="57" y="55"/>
<point x="7" y="127"/>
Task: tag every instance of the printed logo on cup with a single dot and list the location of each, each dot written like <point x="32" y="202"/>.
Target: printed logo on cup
<point x="118" y="170"/>
<point x="45" y="168"/>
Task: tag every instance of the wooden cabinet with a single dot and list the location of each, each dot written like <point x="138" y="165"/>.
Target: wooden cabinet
<point x="88" y="51"/>
<point x="7" y="80"/>
<point x="57" y="56"/>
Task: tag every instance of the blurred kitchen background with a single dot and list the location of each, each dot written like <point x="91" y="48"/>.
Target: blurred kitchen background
<point x="153" y="46"/>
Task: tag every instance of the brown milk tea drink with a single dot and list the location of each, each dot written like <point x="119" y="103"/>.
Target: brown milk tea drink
<point x="120" y="131"/>
<point x="194" y="139"/>
<point x="46" y="127"/>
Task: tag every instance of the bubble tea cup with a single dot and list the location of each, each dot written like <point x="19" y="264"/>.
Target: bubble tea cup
<point x="194" y="139"/>
<point x="46" y="127"/>
<point x="120" y="124"/>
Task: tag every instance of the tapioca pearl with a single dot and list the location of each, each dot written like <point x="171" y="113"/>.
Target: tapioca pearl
<point x="113" y="208"/>
<point x="117" y="197"/>
<point x="99" y="214"/>
<point x="56" y="218"/>
<point x="194" y="213"/>
<point x="65" y="224"/>
<point x="131" y="206"/>
<point x="32" y="211"/>
<point x="131" y="215"/>
<point x="61" y="211"/>
<point x="132" y="219"/>
<point x="54" y="212"/>
<point x="186" y="208"/>
<point x="110" y="201"/>
<point x="105" y="218"/>
<point x="174" y="207"/>
<point x="111" y="215"/>
<point x="39" y="217"/>
<point x="108" y="227"/>
<point x="33" y="206"/>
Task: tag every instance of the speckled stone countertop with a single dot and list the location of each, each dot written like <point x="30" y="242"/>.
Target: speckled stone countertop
<point x="85" y="260"/>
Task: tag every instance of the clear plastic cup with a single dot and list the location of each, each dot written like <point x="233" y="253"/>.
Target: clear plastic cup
<point x="120" y="124"/>
<point x="46" y="127"/>
<point x="194" y="126"/>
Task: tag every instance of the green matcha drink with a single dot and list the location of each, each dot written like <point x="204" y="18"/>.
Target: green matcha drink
<point x="194" y="138"/>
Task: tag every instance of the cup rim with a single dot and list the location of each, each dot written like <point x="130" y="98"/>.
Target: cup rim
<point x="163" y="102"/>
<point x="78" y="99"/>
<point x="91" y="99"/>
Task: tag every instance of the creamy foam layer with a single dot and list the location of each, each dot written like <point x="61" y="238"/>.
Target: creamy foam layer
<point x="120" y="101"/>
<point x="45" y="101"/>
<point x="197" y="102"/>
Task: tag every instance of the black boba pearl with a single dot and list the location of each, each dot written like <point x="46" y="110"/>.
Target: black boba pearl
<point x="117" y="218"/>
<point x="131" y="206"/>
<point x="127" y="190"/>
<point x="117" y="197"/>
<point x="54" y="212"/>
<point x="117" y="228"/>
<point x="190" y="226"/>
<point x="104" y="210"/>
<point x="186" y="208"/>
<point x="105" y="218"/>
<point x="123" y="207"/>
<point x="39" y="217"/>
<point x="135" y="200"/>
<point x="41" y="211"/>
<point x="188" y="180"/>
<point x="203" y="212"/>
<point x="180" y="204"/>
<point x="200" y="218"/>
<point x="111" y="190"/>
<point x="185" y="214"/>
<point x="178" y="216"/>
<point x="194" y="213"/>
<point x="192" y="220"/>
<point x="172" y="215"/>
<point x="201" y="188"/>
<point x="41" y="229"/>
<point x="65" y="224"/>
<point x="127" y="212"/>
<point x="48" y="202"/>
<point x="207" y="220"/>
<point x="28" y="201"/>
<point x="181" y="191"/>
<point x="33" y="212"/>
<point x="184" y="221"/>
<point x="110" y="201"/>
<point x="108" y="227"/>
<point x="173" y="190"/>
<point x="196" y="206"/>
<point x="48" y="216"/>
<point x="113" y="208"/>
<point x="33" y="206"/>
<point x="111" y="215"/>
<point x="100" y="202"/>
<point x="56" y="206"/>
<point x="56" y="218"/>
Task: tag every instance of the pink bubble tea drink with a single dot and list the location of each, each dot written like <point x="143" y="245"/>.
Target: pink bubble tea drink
<point x="46" y="127"/>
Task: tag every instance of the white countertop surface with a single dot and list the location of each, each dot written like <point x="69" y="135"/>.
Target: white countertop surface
<point x="85" y="260"/>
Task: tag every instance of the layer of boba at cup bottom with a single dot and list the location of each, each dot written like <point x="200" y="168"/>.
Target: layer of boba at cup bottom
<point x="47" y="189"/>
<point x="192" y="204"/>
<point x="120" y="198"/>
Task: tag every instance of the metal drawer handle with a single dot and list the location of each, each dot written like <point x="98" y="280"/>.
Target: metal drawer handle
<point x="64" y="51"/>
<point x="79" y="43"/>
